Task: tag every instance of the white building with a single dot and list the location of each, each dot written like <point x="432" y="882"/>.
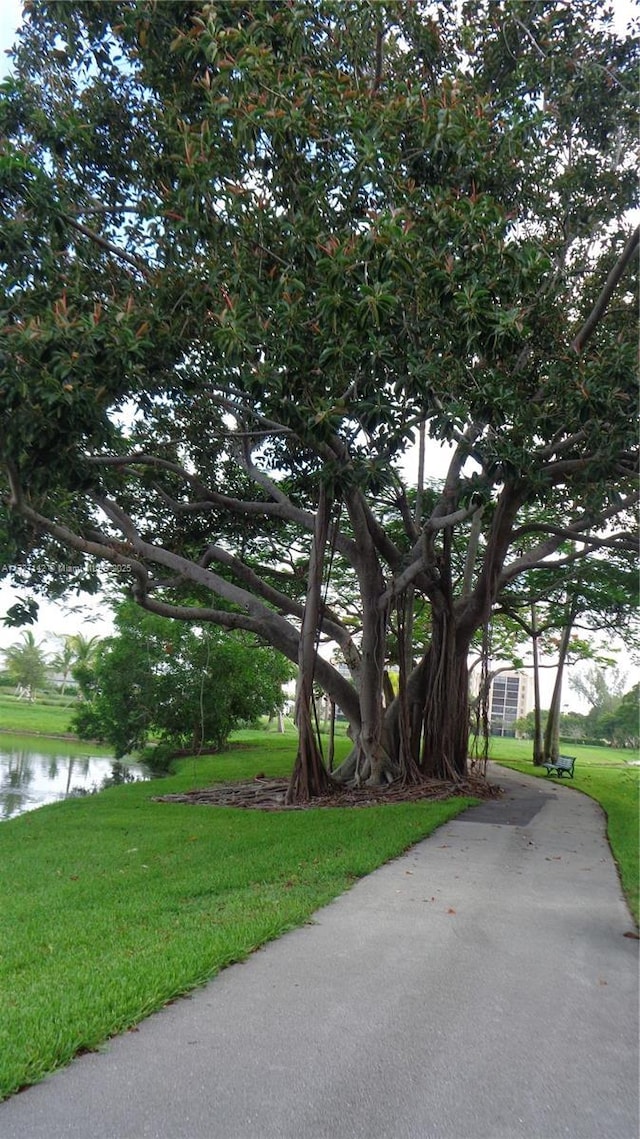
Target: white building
<point x="510" y="699"/>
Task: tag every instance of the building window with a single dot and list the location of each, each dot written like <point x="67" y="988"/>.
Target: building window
<point x="507" y="698"/>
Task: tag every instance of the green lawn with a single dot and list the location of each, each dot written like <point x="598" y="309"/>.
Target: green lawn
<point x="607" y="775"/>
<point x="112" y="905"/>
<point x="37" y="718"/>
<point x="522" y="751"/>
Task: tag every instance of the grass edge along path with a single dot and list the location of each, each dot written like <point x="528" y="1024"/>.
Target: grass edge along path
<point x="113" y="905"/>
<point x="617" y="792"/>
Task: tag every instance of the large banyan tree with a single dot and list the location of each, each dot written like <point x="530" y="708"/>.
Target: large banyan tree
<point x="254" y="255"/>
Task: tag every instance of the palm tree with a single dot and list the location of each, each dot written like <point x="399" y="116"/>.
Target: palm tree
<point x="84" y="648"/>
<point x="84" y="651"/>
<point x="26" y="663"/>
<point x="77" y="652"/>
<point x="63" y="661"/>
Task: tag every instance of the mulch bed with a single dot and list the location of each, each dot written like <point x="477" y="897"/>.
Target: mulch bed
<point x="263" y="794"/>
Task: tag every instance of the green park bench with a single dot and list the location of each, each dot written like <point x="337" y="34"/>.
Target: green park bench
<point x="563" y="765"/>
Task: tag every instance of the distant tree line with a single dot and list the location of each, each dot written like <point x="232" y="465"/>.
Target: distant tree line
<point x="30" y="668"/>
<point x="613" y="716"/>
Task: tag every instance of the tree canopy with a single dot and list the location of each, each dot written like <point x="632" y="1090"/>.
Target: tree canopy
<point x="252" y="253"/>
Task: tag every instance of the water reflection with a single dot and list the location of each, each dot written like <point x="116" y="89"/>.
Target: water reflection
<point x="31" y="776"/>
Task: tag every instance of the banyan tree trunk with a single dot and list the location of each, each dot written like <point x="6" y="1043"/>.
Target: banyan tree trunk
<point x="310" y="777"/>
<point x="445" y="727"/>
<point x="406" y="750"/>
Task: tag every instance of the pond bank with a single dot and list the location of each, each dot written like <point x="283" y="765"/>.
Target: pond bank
<point x="37" y="770"/>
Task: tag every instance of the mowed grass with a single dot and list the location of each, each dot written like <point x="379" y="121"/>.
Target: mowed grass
<point x="112" y="905"/>
<point x="37" y="718"/>
<point x="608" y="776"/>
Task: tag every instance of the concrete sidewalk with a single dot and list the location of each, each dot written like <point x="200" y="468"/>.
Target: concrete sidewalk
<point x="479" y="987"/>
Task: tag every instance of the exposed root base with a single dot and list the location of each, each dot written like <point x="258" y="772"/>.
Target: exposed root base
<point x="269" y="794"/>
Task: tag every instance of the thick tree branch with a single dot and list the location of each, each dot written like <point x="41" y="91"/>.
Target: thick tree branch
<point x="624" y="540"/>
<point x="476" y="608"/>
<point x="560" y="443"/>
<point x="281" y="601"/>
<point x="452" y="482"/>
<point x="256" y="618"/>
<point x="99" y="546"/>
<point x="586" y="521"/>
<point x="284" y="509"/>
<point x="280" y="636"/>
<point x="260" y="478"/>
<point x="536" y="558"/>
<point x="599" y="309"/>
<point x="381" y="540"/>
<point x="184" y="567"/>
<point x="196" y="614"/>
<point x="109" y="246"/>
<point x="419" y="563"/>
<point x="274" y="624"/>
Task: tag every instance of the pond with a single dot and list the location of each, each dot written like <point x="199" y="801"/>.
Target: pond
<point x="36" y="771"/>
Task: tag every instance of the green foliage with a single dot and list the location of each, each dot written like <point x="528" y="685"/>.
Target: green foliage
<point x="612" y="716"/>
<point x="283" y="237"/>
<point x="23" y="612"/>
<point x="603" y="591"/>
<point x="175" y="894"/>
<point x="601" y="689"/>
<point x="350" y="227"/>
<point x="190" y="687"/>
<point x="625" y="726"/>
<point x="616" y="719"/>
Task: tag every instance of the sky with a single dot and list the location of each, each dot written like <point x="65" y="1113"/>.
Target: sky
<point x="75" y="615"/>
<point x="10" y="15"/>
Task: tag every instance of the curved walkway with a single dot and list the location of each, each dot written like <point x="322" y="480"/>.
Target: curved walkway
<point x="479" y="987"/>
